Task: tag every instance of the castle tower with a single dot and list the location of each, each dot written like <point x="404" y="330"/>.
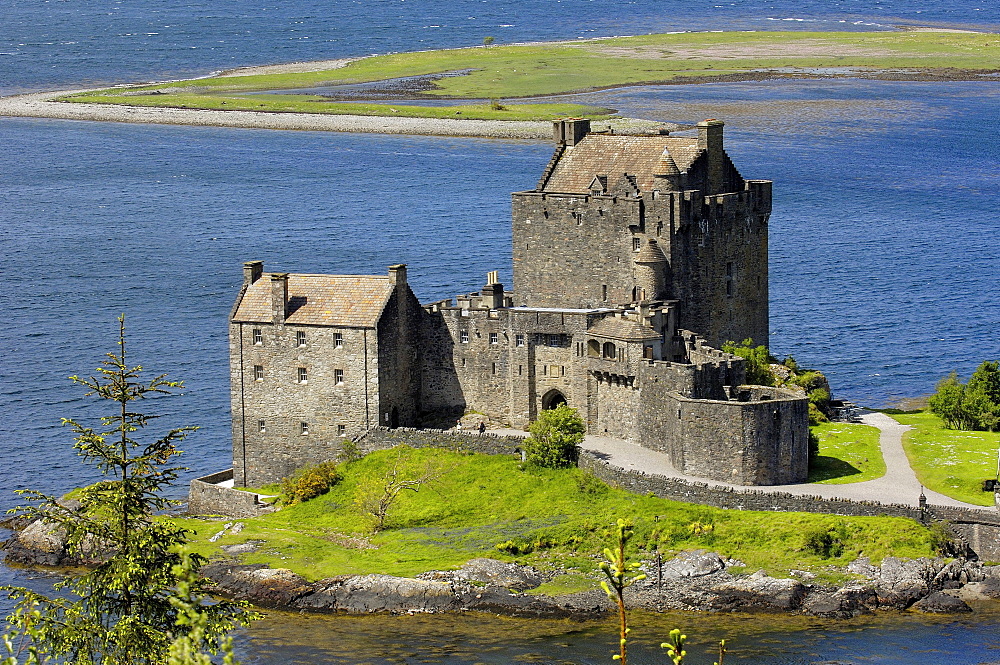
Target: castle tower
<point x="650" y="273"/>
<point x="581" y="236"/>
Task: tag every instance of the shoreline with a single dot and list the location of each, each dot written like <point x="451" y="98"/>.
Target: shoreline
<point x="42" y="105"/>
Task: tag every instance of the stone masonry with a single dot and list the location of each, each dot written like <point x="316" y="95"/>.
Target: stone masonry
<point x="635" y="258"/>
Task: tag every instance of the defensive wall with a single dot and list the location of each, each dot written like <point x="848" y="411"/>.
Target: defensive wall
<point x="207" y="497"/>
<point x="980" y="529"/>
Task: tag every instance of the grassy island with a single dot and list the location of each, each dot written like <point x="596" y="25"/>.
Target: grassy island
<point x="554" y="519"/>
<point x="489" y="74"/>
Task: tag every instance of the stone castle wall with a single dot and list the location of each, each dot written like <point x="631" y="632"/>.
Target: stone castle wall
<point x="572" y="250"/>
<point x="284" y="403"/>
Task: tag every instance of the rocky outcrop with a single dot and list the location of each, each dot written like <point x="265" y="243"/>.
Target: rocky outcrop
<point x="696" y="580"/>
<point x="482" y="584"/>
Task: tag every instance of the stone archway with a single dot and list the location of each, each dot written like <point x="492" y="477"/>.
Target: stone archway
<point x="552" y="399"/>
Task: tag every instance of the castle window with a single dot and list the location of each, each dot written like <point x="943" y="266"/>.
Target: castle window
<point x="300" y="338"/>
<point x="258" y="372"/>
<point x="303" y="375"/>
<point x="604" y="292"/>
<point x="610" y="351"/>
<point x="261" y="426"/>
<point x="636" y="244"/>
<point x="520" y="370"/>
<point x="338" y="340"/>
<point x="341" y="430"/>
<point x="338" y="376"/>
<point x="594" y="348"/>
<point x="545" y="370"/>
<point x="494" y="368"/>
<point x="463" y="362"/>
<point x="304" y="429"/>
<point x="463" y="336"/>
<point x="519" y="340"/>
<point x="493" y="338"/>
<point x="554" y="340"/>
<point x="562" y="370"/>
<point x="258" y="336"/>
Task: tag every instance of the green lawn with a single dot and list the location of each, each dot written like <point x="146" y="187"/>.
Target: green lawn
<point x="558" y="519"/>
<point x="848" y="453"/>
<point x="951" y="462"/>
<point x="530" y="70"/>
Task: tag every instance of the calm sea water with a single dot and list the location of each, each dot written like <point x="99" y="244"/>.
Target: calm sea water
<point x="884" y="257"/>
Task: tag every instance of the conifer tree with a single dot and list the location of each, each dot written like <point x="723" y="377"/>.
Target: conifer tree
<point x="143" y="595"/>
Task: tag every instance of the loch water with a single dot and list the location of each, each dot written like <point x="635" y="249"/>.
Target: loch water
<point x="883" y="256"/>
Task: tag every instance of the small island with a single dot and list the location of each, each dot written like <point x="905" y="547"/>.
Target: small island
<point x="497" y="91"/>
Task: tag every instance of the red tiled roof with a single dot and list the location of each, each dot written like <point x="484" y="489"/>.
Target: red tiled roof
<point x="614" y="154"/>
<point x="354" y="301"/>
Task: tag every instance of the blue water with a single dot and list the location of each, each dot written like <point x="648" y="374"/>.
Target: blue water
<point x="884" y="262"/>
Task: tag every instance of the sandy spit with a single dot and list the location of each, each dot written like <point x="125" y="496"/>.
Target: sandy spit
<point x="40" y="105"/>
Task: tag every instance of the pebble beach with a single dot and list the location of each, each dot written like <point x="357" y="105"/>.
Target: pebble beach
<point x="42" y="105"/>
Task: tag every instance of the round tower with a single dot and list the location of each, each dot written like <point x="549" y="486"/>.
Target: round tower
<point x="666" y="175"/>
<point x="650" y="272"/>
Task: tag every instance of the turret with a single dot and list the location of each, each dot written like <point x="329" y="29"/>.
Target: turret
<point x="650" y="272"/>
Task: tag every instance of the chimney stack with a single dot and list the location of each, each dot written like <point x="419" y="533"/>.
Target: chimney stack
<point x="710" y="140"/>
<point x="279" y="297"/>
<point x="397" y="275"/>
<point x="570" y="131"/>
<point x="252" y="271"/>
<point x="493" y="291"/>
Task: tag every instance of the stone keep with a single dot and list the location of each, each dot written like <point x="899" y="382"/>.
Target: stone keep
<point x="635" y="258"/>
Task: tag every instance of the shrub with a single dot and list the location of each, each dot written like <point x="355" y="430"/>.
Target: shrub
<point x="309" y="482"/>
<point x="825" y="541"/>
<point x="758" y="361"/>
<point x="555" y="438"/>
<point x="816" y="416"/>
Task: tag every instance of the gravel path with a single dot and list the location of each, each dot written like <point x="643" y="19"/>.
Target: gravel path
<point x="40" y="105"/>
<point x="898" y="485"/>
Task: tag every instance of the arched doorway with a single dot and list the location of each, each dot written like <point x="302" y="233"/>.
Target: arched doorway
<point x="552" y="399"/>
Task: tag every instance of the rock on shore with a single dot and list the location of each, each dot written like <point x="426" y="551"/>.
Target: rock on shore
<point x="691" y="581"/>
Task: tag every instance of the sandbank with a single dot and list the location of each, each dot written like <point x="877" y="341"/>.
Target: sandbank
<point x="41" y="105"/>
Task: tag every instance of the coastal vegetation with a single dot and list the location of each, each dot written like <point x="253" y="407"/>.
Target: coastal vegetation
<point x="554" y="519"/>
<point x="141" y="601"/>
<point x="952" y="462"/>
<point x="970" y="406"/>
<point x="529" y="70"/>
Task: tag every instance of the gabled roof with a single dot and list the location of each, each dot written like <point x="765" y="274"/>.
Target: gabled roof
<point x="604" y="154"/>
<point x="354" y="301"/>
<point x="622" y="329"/>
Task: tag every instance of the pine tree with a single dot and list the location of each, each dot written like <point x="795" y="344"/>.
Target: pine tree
<point x="143" y="595"/>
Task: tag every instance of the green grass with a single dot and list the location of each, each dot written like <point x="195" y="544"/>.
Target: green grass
<point x="531" y="70"/>
<point x="848" y="453"/>
<point x="951" y="462"/>
<point x="565" y="515"/>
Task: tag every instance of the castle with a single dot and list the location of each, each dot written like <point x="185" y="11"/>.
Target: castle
<point x="635" y="258"/>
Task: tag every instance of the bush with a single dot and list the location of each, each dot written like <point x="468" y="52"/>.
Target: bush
<point x="309" y="482"/>
<point x="826" y="541"/>
<point x="816" y="416"/>
<point x="555" y="438"/>
<point x="758" y="361"/>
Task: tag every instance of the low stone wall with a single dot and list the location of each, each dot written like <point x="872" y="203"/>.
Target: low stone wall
<point x="207" y="497"/>
<point x="382" y="438"/>
<point x="979" y="528"/>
